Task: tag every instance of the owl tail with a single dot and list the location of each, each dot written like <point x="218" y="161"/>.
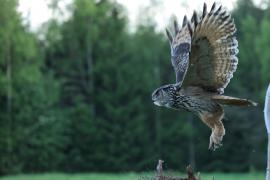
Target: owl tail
<point x="227" y="100"/>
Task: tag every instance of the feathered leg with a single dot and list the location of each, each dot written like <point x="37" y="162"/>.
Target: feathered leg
<point x="214" y="121"/>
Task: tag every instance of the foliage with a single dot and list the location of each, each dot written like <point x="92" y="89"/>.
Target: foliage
<point x="130" y="176"/>
<point x="79" y="98"/>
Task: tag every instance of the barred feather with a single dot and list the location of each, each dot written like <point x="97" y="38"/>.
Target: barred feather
<point x="214" y="48"/>
<point x="180" y="48"/>
<point x="227" y="100"/>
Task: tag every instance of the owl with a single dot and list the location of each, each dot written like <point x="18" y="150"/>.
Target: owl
<point x="204" y="57"/>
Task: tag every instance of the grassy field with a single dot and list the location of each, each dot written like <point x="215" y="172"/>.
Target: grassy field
<point x="128" y="176"/>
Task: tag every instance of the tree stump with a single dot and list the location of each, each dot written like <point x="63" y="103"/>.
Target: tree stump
<point x="160" y="176"/>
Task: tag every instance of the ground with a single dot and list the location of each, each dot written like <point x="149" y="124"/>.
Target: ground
<point x="129" y="176"/>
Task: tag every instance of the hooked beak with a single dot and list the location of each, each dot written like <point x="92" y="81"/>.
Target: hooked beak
<point x="157" y="103"/>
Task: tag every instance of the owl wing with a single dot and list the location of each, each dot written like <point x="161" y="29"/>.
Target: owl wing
<point x="213" y="50"/>
<point x="180" y="49"/>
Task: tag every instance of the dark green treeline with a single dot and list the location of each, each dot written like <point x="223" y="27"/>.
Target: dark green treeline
<point x="78" y="98"/>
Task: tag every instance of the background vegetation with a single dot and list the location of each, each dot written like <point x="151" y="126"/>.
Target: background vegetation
<point x="129" y="176"/>
<point x="77" y="96"/>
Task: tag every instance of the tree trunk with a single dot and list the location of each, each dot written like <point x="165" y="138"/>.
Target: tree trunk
<point x="158" y="127"/>
<point x="89" y="69"/>
<point x="267" y="124"/>
<point x="192" y="157"/>
<point x="9" y="106"/>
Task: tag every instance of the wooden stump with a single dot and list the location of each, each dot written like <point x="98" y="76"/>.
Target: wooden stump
<point x="160" y="176"/>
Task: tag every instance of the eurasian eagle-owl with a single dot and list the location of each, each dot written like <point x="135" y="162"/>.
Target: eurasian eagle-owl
<point x="203" y="55"/>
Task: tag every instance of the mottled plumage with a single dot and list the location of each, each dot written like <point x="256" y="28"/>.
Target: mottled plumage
<point x="204" y="57"/>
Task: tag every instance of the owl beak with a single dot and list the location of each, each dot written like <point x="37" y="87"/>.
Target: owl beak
<point x="157" y="103"/>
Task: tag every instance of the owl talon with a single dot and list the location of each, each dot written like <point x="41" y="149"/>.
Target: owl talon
<point x="215" y="142"/>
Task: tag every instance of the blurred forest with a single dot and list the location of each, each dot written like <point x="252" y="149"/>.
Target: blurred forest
<point x="78" y="98"/>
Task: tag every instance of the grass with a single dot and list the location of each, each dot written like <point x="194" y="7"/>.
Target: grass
<point x="128" y="176"/>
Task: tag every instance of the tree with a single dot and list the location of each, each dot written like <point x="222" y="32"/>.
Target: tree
<point x="27" y="97"/>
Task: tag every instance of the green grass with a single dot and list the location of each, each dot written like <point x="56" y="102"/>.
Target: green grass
<point x="129" y="176"/>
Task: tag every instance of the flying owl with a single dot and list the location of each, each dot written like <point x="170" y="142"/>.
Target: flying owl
<point x="204" y="57"/>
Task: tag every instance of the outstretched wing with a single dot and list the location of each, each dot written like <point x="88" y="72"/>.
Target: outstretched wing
<point x="213" y="50"/>
<point x="180" y="49"/>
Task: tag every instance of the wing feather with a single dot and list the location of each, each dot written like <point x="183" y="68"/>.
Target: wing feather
<point x="213" y="57"/>
<point x="180" y="49"/>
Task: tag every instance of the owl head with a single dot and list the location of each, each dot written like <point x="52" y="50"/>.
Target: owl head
<point x="164" y="95"/>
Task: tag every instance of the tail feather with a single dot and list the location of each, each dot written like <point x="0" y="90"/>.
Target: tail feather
<point x="227" y="100"/>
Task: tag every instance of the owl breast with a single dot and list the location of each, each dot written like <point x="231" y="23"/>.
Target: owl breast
<point x="196" y="104"/>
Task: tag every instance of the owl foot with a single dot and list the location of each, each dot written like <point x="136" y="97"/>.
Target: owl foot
<point x="215" y="142"/>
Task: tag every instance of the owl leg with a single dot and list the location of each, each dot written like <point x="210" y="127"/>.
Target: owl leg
<point x="214" y="121"/>
<point x="217" y="135"/>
